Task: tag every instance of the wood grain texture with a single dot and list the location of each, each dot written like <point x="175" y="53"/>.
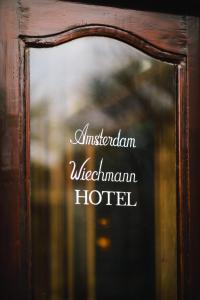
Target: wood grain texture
<point x="166" y="6"/>
<point x="177" y="36"/>
<point x="182" y="180"/>
<point x="193" y="94"/>
<point x="10" y="149"/>
<point x="170" y="35"/>
<point x="102" y="30"/>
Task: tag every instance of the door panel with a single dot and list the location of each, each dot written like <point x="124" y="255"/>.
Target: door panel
<point x="170" y="40"/>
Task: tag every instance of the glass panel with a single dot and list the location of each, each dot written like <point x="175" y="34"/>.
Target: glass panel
<point x="103" y="172"/>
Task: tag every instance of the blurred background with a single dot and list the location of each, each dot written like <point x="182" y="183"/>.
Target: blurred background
<point x="102" y="252"/>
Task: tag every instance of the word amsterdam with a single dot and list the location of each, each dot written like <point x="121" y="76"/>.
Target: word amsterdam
<point x="81" y="137"/>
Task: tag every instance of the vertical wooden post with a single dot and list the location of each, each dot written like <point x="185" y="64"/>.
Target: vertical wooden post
<point x="165" y="213"/>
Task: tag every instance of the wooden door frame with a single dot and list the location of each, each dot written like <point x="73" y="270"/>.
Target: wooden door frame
<point x="135" y="41"/>
<point x="27" y="23"/>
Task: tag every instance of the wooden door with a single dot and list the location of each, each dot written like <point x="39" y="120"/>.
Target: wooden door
<point x="172" y="41"/>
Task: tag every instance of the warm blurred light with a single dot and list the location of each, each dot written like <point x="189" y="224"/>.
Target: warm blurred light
<point x="104" y="222"/>
<point x="103" y="242"/>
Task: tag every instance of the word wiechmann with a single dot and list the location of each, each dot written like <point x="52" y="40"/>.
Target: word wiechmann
<point x="98" y="175"/>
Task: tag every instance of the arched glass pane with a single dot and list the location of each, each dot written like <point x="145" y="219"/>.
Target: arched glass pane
<point x="103" y="172"/>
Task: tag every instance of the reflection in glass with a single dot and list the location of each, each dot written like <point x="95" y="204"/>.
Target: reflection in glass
<point x="102" y="251"/>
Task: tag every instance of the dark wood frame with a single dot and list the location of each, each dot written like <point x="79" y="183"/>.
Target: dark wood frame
<point x="137" y="42"/>
<point x="166" y="37"/>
